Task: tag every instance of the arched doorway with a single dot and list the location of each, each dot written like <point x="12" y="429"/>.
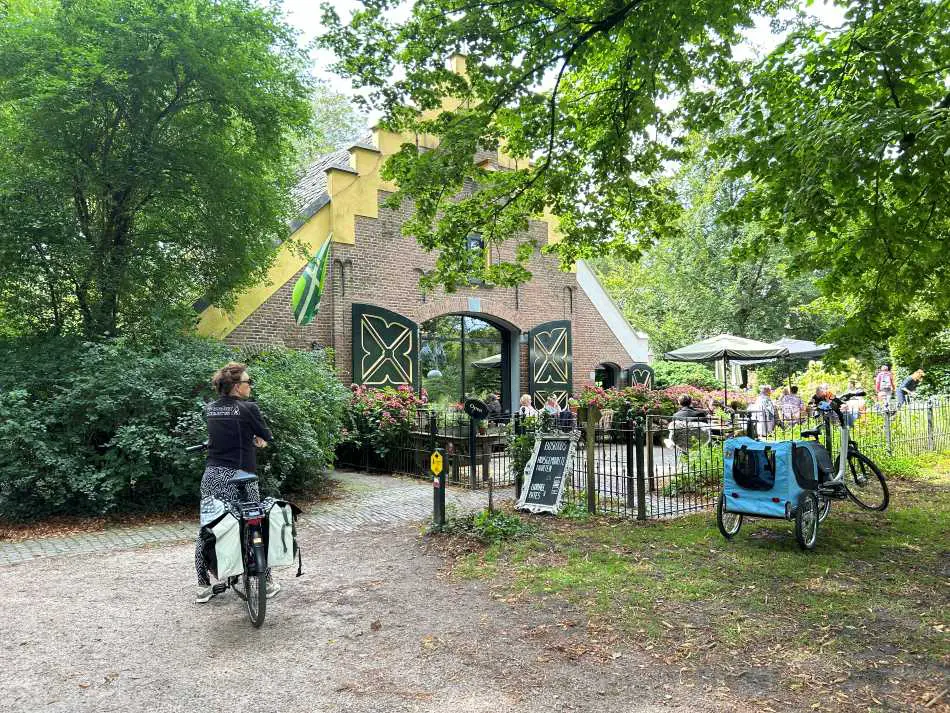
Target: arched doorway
<point x="461" y="355"/>
<point x="607" y="375"/>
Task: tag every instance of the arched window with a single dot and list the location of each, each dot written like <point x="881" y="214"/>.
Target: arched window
<point x="462" y="356"/>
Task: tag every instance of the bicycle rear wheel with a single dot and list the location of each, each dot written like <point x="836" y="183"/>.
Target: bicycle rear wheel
<point x="865" y="483"/>
<point x="806" y="521"/>
<point x="255" y="587"/>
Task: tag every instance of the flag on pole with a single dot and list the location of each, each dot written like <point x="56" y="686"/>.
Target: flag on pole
<point x="305" y="299"/>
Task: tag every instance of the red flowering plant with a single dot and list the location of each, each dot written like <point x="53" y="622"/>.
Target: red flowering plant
<point x="380" y="418"/>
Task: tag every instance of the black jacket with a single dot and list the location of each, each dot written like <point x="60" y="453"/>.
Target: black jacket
<point x="688" y="412"/>
<point x="232" y="425"/>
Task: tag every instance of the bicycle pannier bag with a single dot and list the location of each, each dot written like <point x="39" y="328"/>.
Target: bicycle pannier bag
<point x="221" y="545"/>
<point x="281" y="534"/>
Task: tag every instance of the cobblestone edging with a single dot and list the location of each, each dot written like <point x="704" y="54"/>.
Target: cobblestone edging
<point x="368" y="501"/>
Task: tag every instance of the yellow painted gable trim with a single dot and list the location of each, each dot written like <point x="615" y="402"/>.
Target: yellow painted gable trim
<point x="312" y="235"/>
<point x="352" y="193"/>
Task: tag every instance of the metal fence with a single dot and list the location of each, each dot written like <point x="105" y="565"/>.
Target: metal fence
<point x="652" y="468"/>
<point x="457" y="436"/>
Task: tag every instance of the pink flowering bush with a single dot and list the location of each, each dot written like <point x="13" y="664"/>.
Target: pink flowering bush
<point x="381" y="418"/>
<point x="637" y="401"/>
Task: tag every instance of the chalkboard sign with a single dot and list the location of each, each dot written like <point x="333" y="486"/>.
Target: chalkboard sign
<point x="551" y="462"/>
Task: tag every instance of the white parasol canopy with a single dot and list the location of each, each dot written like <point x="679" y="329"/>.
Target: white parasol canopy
<point x="797" y="349"/>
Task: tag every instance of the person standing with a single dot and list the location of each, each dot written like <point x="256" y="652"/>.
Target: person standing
<point x="764" y="411"/>
<point x="884" y="385"/>
<point x="908" y="387"/>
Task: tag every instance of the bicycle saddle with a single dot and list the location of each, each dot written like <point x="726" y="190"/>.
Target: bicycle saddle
<point x="242" y="478"/>
<point x="811" y="433"/>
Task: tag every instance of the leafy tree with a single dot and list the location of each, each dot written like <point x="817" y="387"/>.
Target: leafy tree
<point x="707" y="276"/>
<point x="145" y="157"/>
<point x="336" y="124"/>
<point x="674" y="373"/>
<point x="843" y="132"/>
<point x="586" y="147"/>
<point x="846" y="134"/>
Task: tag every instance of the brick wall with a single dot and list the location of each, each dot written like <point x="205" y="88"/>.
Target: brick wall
<point x="383" y="268"/>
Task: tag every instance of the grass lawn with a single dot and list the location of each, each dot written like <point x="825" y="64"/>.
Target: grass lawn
<point x="861" y="623"/>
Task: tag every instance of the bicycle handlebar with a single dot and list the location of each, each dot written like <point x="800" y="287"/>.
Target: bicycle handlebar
<point x="199" y="447"/>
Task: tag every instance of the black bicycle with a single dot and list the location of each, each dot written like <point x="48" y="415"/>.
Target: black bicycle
<point x="251" y="517"/>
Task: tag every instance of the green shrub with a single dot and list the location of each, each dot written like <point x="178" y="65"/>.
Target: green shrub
<point x="489" y="528"/>
<point x="99" y="427"/>
<point x="303" y="402"/>
<point x="672" y="373"/>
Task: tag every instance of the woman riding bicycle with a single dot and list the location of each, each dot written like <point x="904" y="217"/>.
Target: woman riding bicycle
<point x="235" y="431"/>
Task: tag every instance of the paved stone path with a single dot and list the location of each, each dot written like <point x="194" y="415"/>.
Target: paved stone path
<point x="368" y="501"/>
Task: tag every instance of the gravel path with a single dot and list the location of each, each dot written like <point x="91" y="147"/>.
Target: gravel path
<point x="371" y="626"/>
<point x="366" y="501"/>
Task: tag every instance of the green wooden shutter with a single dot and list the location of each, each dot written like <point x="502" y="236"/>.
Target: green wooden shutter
<point x="550" y="364"/>
<point x="385" y="348"/>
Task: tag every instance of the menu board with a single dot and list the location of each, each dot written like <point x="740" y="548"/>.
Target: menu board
<point x="550" y="464"/>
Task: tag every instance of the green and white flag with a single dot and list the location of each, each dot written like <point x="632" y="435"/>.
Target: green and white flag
<point x="305" y="299"/>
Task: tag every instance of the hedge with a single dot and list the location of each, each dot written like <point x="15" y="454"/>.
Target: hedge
<point x="98" y="427"/>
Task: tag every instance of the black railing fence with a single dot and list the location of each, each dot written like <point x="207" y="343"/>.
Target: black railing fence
<point x="455" y="433"/>
<point x="652" y="467"/>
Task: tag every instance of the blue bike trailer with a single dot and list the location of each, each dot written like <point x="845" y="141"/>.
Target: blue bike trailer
<point x="768" y="478"/>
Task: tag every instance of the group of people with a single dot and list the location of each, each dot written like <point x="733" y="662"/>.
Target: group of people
<point x="565" y="418"/>
<point x="884" y="387"/>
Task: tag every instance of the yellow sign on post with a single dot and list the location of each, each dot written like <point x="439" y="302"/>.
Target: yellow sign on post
<point x="435" y="463"/>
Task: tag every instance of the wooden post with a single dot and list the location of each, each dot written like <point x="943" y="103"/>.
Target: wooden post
<point x="591" y="482"/>
<point x="641" y="473"/>
<point x="930" y="425"/>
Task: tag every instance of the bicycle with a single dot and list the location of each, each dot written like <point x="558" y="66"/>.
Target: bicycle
<point x="856" y="476"/>
<point x="796" y="480"/>
<point x="250" y="515"/>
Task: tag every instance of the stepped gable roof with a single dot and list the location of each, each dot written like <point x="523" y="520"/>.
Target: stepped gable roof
<point x="310" y="193"/>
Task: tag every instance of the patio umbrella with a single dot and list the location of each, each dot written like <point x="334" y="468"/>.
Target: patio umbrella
<point x="802" y="348"/>
<point x="797" y="349"/>
<point x="491" y="362"/>
<point x="727" y="347"/>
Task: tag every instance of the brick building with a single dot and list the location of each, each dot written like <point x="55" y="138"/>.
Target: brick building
<point x="545" y="337"/>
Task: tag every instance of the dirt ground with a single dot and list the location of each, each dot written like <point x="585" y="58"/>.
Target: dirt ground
<point x="373" y="625"/>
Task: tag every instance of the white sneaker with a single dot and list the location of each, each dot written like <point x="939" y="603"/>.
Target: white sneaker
<point x="204" y="594"/>
<point x="272" y="588"/>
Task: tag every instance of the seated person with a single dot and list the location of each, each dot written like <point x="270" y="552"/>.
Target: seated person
<point x="689" y="424"/>
<point x="687" y="411"/>
<point x="494" y="408"/>
<point x="567" y="419"/>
